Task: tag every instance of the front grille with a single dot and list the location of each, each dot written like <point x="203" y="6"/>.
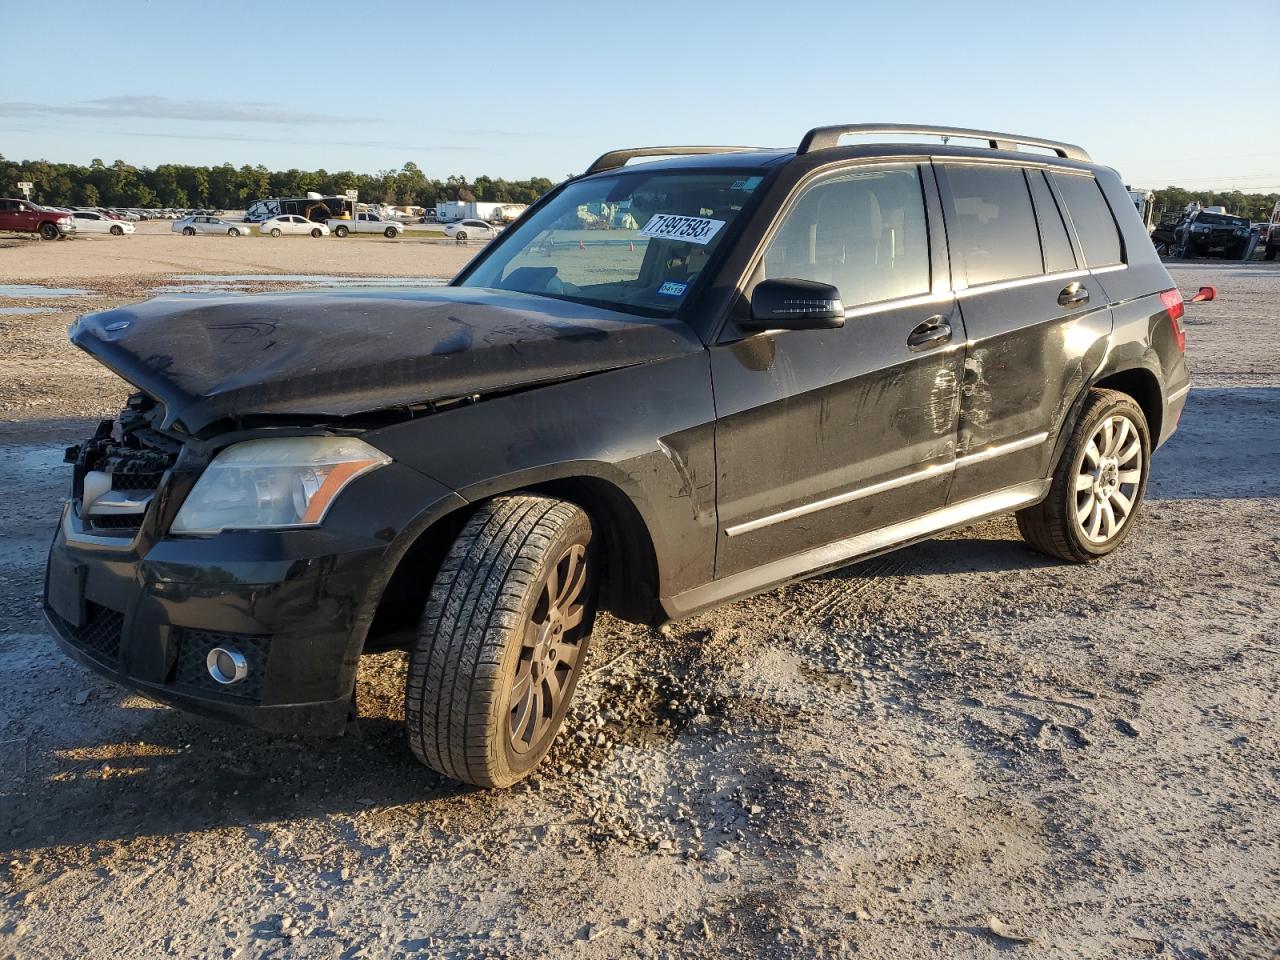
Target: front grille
<point x="118" y="521"/>
<point x="100" y="633"/>
<point x="191" y="671"/>
<point x="135" y="481"/>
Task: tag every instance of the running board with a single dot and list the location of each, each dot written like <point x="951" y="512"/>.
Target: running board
<point x="829" y="556"/>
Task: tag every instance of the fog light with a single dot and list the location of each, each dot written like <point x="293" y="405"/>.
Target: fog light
<point x="226" y="666"/>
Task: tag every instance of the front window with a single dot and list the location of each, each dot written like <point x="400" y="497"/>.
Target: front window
<point x="635" y="241"/>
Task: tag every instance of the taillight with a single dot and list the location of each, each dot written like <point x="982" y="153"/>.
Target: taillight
<point x="1172" y="301"/>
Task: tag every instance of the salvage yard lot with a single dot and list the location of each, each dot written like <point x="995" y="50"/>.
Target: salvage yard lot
<point x="935" y="753"/>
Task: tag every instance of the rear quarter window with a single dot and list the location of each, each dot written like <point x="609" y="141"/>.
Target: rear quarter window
<point x="1092" y="218"/>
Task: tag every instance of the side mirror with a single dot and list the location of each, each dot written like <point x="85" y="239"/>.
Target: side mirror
<point x="1205" y="293"/>
<point x="789" y="304"/>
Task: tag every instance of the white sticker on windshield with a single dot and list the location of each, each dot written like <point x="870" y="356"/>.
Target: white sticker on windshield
<point x="666" y="226"/>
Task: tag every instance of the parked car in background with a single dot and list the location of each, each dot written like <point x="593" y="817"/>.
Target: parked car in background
<point x="292" y="225"/>
<point x="23" y="216"/>
<point x="89" y="221"/>
<point x="1212" y="232"/>
<point x="470" y="230"/>
<point x="365" y="223"/>
<point x="1272" y="236"/>
<point x="191" y="225"/>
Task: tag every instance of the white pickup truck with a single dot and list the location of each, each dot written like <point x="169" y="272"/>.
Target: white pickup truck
<point x="365" y="223"/>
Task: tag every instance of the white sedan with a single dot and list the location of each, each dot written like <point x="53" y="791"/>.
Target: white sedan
<point x="470" y="230"/>
<point x="286" y="224"/>
<point x="190" y="226"/>
<point x="87" y="221"/>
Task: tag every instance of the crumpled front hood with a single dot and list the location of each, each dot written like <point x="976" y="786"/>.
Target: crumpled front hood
<point x="338" y="353"/>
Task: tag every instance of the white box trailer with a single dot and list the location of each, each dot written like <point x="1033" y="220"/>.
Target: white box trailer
<point x="450" y="211"/>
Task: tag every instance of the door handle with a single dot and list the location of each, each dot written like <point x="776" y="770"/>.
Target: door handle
<point x="929" y="333"/>
<point x="1073" y="295"/>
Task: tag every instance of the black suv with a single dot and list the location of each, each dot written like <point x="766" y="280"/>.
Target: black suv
<point x="1208" y="233"/>
<point x="668" y="385"/>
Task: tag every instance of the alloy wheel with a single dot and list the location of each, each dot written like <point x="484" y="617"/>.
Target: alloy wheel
<point x="1108" y="479"/>
<point x="549" y="653"/>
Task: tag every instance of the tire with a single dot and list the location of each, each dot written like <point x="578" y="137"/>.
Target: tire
<point x="117" y="231"/>
<point x="390" y="233"/>
<point x="48" y="231"/>
<point x="275" y="231"/>
<point x="341" y="231"/>
<point x="188" y="231"/>
<point x="460" y="236"/>
<point x="233" y="232"/>
<point x="487" y="648"/>
<point x="1060" y="524"/>
<point x="1270" y="252"/>
<point x="317" y="233"/>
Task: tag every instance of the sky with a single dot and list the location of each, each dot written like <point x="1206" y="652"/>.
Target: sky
<point x="539" y="89"/>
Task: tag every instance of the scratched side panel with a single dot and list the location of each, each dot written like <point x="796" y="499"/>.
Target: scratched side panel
<point x="806" y="416"/>
<point x="648" y="430"/>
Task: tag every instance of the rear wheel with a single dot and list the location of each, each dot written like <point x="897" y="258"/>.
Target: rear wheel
<point x="1098" y="486"/>
<point x="48" y="231"/>
<point x="275" y="231"/>
<point x="502" y="641"/>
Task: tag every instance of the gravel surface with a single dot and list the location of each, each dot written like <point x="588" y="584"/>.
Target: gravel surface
<point x="962" y="749"/>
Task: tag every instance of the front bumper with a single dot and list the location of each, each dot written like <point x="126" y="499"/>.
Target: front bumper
<point x="297" y="604"/>
<point x="149" y="619"/>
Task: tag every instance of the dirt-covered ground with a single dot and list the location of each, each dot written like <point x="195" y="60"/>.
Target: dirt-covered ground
<point x="959" y="750"/>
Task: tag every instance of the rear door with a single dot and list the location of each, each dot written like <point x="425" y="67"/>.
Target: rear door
<point x="1034" y="316"/>
<point x="826" y="434"/>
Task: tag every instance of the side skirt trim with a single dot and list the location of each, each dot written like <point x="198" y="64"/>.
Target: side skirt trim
<point x="837" y="554"/>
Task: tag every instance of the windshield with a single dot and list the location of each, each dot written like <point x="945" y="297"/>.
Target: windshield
<point x="635" y="241"/>
<point x="1219" y="219"/>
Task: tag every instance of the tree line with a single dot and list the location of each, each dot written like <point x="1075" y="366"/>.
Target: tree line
<point x="225" y="187"/>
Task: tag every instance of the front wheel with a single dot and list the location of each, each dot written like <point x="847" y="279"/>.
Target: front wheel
<point x="341" y="231"/>
<point x="48" y="231"/>
<point x="390" y="233"/>
<point x="317" y="233"/>
<point x="1098" y="486"/>
<point x="188" y="231"/>
<point x="117" y="231"/>
<point x="502" y="640"/>
<point x="275" y="231"/>
<point x="460" y="236"/>
<point x="233" y="232"/>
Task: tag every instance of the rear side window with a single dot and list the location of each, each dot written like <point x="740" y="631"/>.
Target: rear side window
<point x="863" y="231"/>
<point x="1058" y="255"/>
<point x="994" y="223"/>
<point x="1093" y="221"/>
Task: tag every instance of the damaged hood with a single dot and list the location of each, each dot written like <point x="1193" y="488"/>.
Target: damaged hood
<point x="339" y="353"/>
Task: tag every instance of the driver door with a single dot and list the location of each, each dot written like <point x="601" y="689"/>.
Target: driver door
<point x="823" y="435"/>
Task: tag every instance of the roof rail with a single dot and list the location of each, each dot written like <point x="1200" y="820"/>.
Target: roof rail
<point x="619" y="158"/>
<point x="824" y="138"/>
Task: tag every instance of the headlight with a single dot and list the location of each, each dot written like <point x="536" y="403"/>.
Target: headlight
<point x="281" y="482"/>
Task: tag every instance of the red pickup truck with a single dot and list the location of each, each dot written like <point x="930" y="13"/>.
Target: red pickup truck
<point x="24" y="216"/>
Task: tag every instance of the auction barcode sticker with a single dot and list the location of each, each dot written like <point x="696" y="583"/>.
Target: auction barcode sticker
<point x="665" y="226"/>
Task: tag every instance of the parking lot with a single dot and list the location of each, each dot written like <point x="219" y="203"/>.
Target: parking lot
<point x="962" y="749"/>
